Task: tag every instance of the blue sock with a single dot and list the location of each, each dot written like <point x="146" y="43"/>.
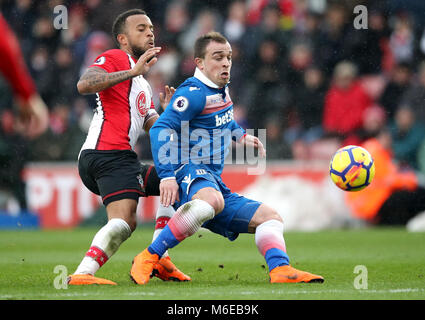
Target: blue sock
<point x="275" y="258"/>
<point x="164" y="241"/>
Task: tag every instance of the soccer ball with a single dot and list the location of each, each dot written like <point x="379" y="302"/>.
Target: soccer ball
<point x="352" y="168"/>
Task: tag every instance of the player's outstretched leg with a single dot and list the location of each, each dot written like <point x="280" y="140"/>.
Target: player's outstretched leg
<point x="165" y="269"/>
<point x="185" y="222"/>
<point x="271" y="244"/>
<point x="104" y="245"/>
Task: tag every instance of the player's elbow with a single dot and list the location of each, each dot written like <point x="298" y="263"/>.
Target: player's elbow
<point x="83" y="88"/>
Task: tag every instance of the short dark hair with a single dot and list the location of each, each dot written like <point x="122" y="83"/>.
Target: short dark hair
<point x="202" y="42"/>
<point x="119" y="23"/>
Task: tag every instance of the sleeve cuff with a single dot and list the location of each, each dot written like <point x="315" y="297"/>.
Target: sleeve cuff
<point x="243" y="136"/>
<point x="168" y="178"/>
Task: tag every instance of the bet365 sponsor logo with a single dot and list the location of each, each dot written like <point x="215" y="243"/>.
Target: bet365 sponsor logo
<point x="225" y="118"/>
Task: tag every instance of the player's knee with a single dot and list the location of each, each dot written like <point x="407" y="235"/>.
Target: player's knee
<point x="124" y="209"/>
<point x="269" y="215"/>
<point x="272" y="214"/>
<point x="213" y="197"/>
<point x="263" y="214"/>
<point x="132" y="222"/>
<point x="217" y="202"/>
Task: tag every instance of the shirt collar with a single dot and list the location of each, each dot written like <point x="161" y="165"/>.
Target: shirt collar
<point x="203" y="78"/>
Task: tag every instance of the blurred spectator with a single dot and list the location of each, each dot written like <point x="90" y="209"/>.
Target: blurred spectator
<point x="414" y="96"/>
<point x="299" y="59"/>
<point x="234" y="26"/>
<point x="311" y="32"/>
<point x="175" y="22"/>
<point x="334" y="34"/>
<point x="44" y="34"/>
<point x="157" y="82"/>
<point x="276" y="147"/>
<point x="402" y="40"/>
<point x="345" y="102"/>
<point x="369" y="47"/>
<point x="98" y="15"/>
<point x="308" y="104"/>
<point x="63" y="72"/>
<point x="21" y="19"/>
<point x="394" y="196"/>
<point x="62" y="141"/>
<point x="374" y="121"/>
<point x="97" y="19"/>
<point x="97" y="42"/>
<point x="13" y="157"/>
<point x="206" y="21"/>
<point x="271" y="96"/>
<point x="268" y="29"/>
<point x="168" y="64"/>
<point x="407" y="135"/>
<point x="39" y="65"/>
<point x="76" y="36"/>
<point x="421" y="158"/>
<point x="255" y="9"/>
<point x="399" y="82"/>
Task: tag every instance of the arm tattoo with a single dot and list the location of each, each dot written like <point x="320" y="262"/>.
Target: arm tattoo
<point x="97" y="79"/>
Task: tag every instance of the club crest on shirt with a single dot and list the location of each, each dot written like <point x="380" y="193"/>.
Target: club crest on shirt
<point x="100" y="61"/>
<point x="141" y="105"/>
<point x="181" y="104"/>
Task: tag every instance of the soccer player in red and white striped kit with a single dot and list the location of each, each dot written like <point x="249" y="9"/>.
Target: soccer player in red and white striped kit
<point x="107" y="163"/>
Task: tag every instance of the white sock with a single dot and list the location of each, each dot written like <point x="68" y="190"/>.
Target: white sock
<point x="190" y="217"/>
<point x="271" y="244"/>
<point x="268" y="235"/>
<point x="163" y="215"/>
<point x="105" y="243"/>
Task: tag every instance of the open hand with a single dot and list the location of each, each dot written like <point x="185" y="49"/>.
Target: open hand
<point x="145" y="62"/>
<point x="164" y="98"/>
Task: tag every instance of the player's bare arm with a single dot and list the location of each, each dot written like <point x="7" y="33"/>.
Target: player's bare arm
<point x="150" y="123"/>
<point x="97" y="79"/>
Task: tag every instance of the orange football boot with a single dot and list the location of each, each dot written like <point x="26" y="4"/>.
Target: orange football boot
<point x="167" y="271"/>
<point x="142" y="267"/>
<point x="84" y="279"/>
<point x="288" y="274"/>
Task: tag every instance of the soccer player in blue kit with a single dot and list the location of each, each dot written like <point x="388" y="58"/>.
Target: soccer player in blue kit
<point x="189" y="143"/>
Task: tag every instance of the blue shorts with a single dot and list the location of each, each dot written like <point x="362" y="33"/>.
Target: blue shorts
<point x="238" y="210"/>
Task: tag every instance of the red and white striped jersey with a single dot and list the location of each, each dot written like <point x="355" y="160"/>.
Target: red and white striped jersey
<point x="122" y="110"/>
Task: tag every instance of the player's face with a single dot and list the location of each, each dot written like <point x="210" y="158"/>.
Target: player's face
<point x="139" y="33"/>
<point x="217" y="62"/>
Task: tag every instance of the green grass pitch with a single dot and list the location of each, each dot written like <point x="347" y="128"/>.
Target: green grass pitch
<point x="220" y="269"/>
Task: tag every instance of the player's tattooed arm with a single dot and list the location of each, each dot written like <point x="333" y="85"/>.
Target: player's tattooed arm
<point x="96" y="79"/>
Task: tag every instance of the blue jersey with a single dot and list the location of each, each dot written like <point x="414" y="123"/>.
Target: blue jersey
<point x="197" y="127"/>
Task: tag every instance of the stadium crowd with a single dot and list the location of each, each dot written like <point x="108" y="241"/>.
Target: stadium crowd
<point x="301" y="70"/>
